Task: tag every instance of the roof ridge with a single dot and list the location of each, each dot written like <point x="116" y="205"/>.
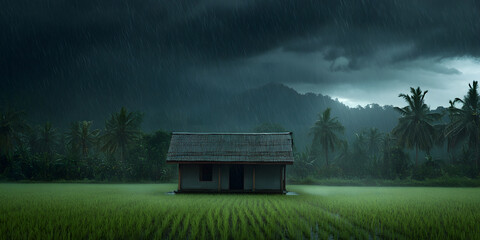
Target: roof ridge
<point x="231" y="133"/>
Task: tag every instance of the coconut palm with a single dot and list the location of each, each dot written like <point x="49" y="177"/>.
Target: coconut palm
<point x="374" y="138"/>
<point x="47" y="138"/>
<point x="388" y="142"/>
<point x="81" y="138"/>
<point x="360" y="143"/>
<point x="12" y="124"/>
<point x="343" y="153"/>
<point x="465" y="121"/>
<point x="415" y="127"/>
<point x="121" y="130"/>
<point x="325" y="132"/>
<point x="303" y="164"/>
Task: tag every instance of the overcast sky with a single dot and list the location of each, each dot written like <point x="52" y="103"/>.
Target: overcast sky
<point x="357" y="51"/>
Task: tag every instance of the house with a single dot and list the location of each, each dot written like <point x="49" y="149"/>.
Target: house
<point x="231" y="162"/>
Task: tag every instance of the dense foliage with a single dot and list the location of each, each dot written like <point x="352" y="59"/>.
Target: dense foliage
<point x="373" y="154"/>
<point x="120" y="152"/>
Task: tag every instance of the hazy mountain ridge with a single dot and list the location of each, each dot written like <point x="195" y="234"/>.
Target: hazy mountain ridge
<point x="194" y="107"/>
<point x="298" y="112"/>
<point x="275" y="103"/>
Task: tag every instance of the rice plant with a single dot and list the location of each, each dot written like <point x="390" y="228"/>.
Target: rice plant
<point x="146" y="211"/>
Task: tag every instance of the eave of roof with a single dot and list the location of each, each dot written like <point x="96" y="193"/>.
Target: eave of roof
<point x="254" y="148"/>
<point x="230" y="133"/>
<point x="232" y="162"/>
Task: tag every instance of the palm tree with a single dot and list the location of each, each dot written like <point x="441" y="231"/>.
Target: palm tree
<point x="12" y="125"/>
<point x="81" y="138"/>
<point x="325" y="132"/>
<point x="374" y="138"/>
<point x="465" y="122"/>
<point x="388" y="142"/>
<point x="47" y="138"/>
<point x="360" y="144"/>
<point x="394" y="160"/>
<point x="46" y="141"/>
<point x="304" y="165"/>
<point x="415" y="127"/>
<point x="344" y="152"/>
<point x="121" y="130"/>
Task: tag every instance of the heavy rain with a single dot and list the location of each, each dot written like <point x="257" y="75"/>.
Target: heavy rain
<point x="239" y="119"/>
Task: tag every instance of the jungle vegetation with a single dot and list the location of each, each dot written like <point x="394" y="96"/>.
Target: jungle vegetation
<point x="122" y="151"/>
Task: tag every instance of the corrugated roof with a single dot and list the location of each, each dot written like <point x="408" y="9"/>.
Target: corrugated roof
<point x="231" y="147"/>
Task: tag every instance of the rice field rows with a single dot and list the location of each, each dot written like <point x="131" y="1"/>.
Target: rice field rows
<point x="146" y="211"/>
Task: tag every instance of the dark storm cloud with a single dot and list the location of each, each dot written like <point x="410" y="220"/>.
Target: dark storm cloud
<point x="119" y="51"/>
<point x="38" y="36"/>
<point x="41" y="35"/>
<point x="361" y="29"/>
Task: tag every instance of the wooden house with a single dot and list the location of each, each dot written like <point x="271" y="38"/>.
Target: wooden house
<point x="231" y="162"/>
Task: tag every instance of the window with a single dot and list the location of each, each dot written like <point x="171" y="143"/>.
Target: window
<point x="206" y="172"/>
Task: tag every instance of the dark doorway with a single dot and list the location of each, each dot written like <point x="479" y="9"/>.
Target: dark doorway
<point x="236" y="177"/>
<point x="206" y="172"/>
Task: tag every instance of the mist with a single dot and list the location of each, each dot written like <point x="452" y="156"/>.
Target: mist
<point x="239" y="119"/>
<point x="211" y="66"/>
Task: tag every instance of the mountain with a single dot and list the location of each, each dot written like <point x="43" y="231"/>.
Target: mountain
<point x="275" y="103"/>
<point x="194" y="107"/>
<point x="278" y="103"/>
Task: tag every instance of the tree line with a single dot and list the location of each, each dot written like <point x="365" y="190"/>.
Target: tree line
<point x="387" y="155"/>
<point x="119" y="152"/>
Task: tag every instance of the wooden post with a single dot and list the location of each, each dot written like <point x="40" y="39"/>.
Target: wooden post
<point x="243" y="178"/>
<point x="285" y="177"/>
<point x="179" y="177"/>
<point x="253" y="178"/>
<point x="219" y="178"/>
<point x="281" y="179"/>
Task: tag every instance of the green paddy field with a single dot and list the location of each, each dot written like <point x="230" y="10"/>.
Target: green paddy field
<point x="147" y="211"/>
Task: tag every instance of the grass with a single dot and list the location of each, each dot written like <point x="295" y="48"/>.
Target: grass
<point x="145" y="211"/>
<point x="444" y="181"/>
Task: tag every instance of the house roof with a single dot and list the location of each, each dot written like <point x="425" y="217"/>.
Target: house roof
<point x="248" y="148"/>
